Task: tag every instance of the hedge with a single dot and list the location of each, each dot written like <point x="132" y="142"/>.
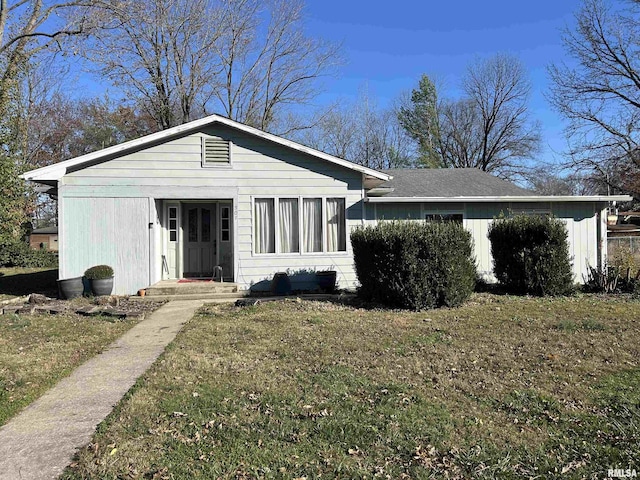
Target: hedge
<point x="531" y="255"/>
<point x="414" y="265"/>
<point x="15" y="253"/>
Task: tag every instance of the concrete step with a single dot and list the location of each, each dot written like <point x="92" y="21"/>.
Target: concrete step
<point x="195" y="288"/>
<point x="214" y="297"/>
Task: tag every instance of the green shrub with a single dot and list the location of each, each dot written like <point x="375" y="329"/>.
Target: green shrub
<point x="16" y="253"/>
<point x="531" y="255"/>
<point x="414" y="265"/>
<point x="99" y="272"/>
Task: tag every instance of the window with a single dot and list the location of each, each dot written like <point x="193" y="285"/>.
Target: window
<point x="336" y="231"/>
<point x="173" y="224"/>
<point x="299" y="225"/>
<point x="215" y="151"/>
<point x="288" y="227"/>
<point x="443" y="217"/>
<point x="225" y="228"/>
<point x="265" y="238"/>
<point x="312" y="225"/>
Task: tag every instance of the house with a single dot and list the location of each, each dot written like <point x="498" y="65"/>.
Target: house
<point x="214" y="192"/>
<point x="45" y="238"/>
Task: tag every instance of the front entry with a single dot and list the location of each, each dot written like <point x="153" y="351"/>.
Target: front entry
<point x="199" y="239"/>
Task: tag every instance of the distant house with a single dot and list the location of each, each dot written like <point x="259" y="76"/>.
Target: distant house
<point x="45" y="238"/>
<point x="214" y="192"/>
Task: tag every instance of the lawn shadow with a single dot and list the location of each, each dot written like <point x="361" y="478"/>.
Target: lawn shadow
<point x="43" y="282"/>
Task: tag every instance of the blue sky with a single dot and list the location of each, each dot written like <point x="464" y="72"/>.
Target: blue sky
<point x="388" y="45"/>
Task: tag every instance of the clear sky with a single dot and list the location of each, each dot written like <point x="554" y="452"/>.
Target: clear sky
<point x="388" y="45"/>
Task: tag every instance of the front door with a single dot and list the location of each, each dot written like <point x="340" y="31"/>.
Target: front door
<point x="199" y="239"/>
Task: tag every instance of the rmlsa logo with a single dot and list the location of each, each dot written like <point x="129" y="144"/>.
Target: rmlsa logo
<point x="622" y="473"/>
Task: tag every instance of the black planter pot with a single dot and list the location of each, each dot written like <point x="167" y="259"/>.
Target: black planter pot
<point x="102" y="286"/>
<point x="327" y="280"/>
<point x="70" y="288"/>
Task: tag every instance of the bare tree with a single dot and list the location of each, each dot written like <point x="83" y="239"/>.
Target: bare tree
<point x="159" y="52"/>
<point x="27" y="28"/>
<point x="363" y="133"/>
<point x="600" y="93"/>
<point x="489" y="127"/>
<point x="499" y="90"/>
<point x="262" y="74"/>
<point x="185" y="58"/>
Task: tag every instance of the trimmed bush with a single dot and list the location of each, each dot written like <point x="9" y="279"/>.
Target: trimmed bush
<point x="99" y="272"/>
<point x="15" y="253"/>
<point x="414" y="265"/>
<point x="531" y="255"/>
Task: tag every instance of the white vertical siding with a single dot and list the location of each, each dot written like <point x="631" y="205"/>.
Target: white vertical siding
<point x="111" y="231"/>
<point x="579" y="217"/>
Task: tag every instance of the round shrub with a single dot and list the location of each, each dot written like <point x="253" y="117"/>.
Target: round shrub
<point x="99" y="272"/>
<point x="531" y="255"/>
<point x="414" y="265"/>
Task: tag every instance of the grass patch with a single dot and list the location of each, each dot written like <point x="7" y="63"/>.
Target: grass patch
<point x="494" y="389"/>
<point x="37" y="351"/>
<point x="588" y="324"/>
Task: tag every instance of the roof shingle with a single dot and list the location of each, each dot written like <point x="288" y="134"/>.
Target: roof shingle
<point x="449" y="182"/>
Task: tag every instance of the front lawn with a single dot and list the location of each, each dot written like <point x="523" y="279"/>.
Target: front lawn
<point x="502" y="387"/>
<point x="38" y="350"/>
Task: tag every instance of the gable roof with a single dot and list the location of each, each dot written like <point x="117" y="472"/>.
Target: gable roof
<point x="463" y="185"/>
<point x="58" y="170"/>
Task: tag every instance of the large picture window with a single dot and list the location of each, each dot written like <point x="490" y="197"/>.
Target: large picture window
<point x="299" y="225"/>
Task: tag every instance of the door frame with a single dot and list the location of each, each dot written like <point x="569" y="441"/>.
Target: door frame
<point x="165" y="239"/>
<point x="213" y="209"/>
<point x="180" y="204"/>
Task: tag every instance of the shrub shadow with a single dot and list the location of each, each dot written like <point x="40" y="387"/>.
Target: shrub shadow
<point x="43" y="282"/>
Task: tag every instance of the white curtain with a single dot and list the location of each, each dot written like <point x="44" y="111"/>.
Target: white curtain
<point x="265" y="239"/>
<point x="288" y="234"/>
<point x="336" y="238"/>
<point x="312" y="233"/>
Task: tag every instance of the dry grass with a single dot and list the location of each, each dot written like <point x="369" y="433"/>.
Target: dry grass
<point x="503" y="387"/>
<point x="38" y="350"/>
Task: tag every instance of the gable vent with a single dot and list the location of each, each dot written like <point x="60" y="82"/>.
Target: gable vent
<point x="215" y="151"/>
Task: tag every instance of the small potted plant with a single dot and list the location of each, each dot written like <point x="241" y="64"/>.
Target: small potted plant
<point x="100" y="279"/>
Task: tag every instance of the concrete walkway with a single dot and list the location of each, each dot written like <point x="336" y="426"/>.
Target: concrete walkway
<point x="41" y="441"/>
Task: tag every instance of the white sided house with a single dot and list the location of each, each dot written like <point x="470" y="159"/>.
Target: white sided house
<point x="216" y="193"/>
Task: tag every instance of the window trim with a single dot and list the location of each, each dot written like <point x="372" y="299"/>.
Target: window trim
<point x="323" y="233"/>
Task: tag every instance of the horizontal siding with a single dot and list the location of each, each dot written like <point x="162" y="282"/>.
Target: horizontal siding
<point x="173" y="170"/>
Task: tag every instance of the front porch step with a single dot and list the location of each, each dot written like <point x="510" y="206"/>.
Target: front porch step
<point x="210" y="297"/>
<point x="192" y="288"/>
